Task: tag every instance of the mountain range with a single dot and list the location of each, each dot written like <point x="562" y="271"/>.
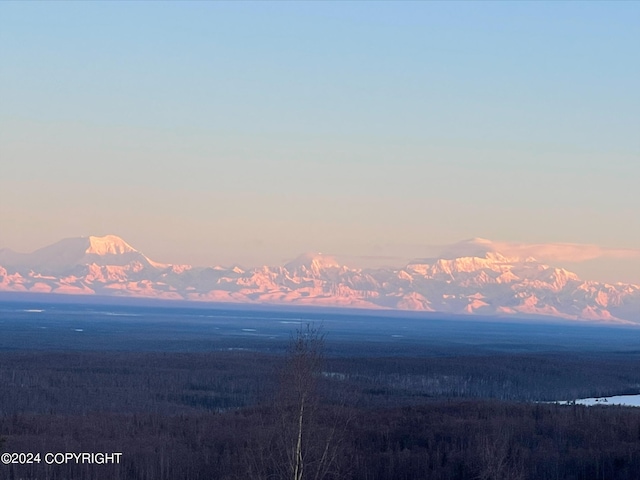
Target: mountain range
<point x="473" y="278"/>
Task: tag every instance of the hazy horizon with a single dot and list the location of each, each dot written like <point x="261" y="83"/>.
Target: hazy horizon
<point x="588" y="261"/>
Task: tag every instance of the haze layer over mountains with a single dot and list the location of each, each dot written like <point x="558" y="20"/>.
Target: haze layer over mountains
<point x="473" y="278"/>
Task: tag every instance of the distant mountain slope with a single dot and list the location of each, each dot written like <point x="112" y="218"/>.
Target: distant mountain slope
<point x="473" y="278"/>
<point x="69" y="253"/>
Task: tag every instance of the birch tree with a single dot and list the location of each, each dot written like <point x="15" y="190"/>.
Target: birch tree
<point x="309" y="434"/>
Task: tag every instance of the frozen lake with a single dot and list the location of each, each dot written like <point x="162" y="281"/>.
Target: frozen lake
<point x="625" y="400"/>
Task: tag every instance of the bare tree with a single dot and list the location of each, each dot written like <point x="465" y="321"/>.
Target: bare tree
<point x="309" y="435"/>
<point x="299" y="436"/>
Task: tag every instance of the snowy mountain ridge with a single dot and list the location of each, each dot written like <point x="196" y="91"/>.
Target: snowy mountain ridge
<point x="479" y="280"/>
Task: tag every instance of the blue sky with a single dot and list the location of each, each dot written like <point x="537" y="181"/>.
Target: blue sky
<point x="213" y="132"/>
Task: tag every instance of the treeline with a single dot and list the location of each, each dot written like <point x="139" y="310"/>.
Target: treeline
<point x="438" y="440"/>
<point x="523" y="377"/>
<point x="174" y="383"/>
<point x="167" y="383"/>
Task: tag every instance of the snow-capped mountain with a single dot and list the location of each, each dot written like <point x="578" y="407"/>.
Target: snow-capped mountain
<point x="471" y="278"/>
<point x="72" y="252"/>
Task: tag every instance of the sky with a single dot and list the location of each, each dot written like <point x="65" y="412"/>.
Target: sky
<point x="250" y="132"/>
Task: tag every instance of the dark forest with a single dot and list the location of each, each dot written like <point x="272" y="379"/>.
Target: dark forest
<point x="313" y="409"/>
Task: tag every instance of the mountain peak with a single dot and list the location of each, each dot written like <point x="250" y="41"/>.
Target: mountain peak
<point x="478" y="241"/>
<point x="312" y="261"/>
<point x="473" y="247"/>
<point x="69" y="253"/>
<point x="108" y="245"/>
